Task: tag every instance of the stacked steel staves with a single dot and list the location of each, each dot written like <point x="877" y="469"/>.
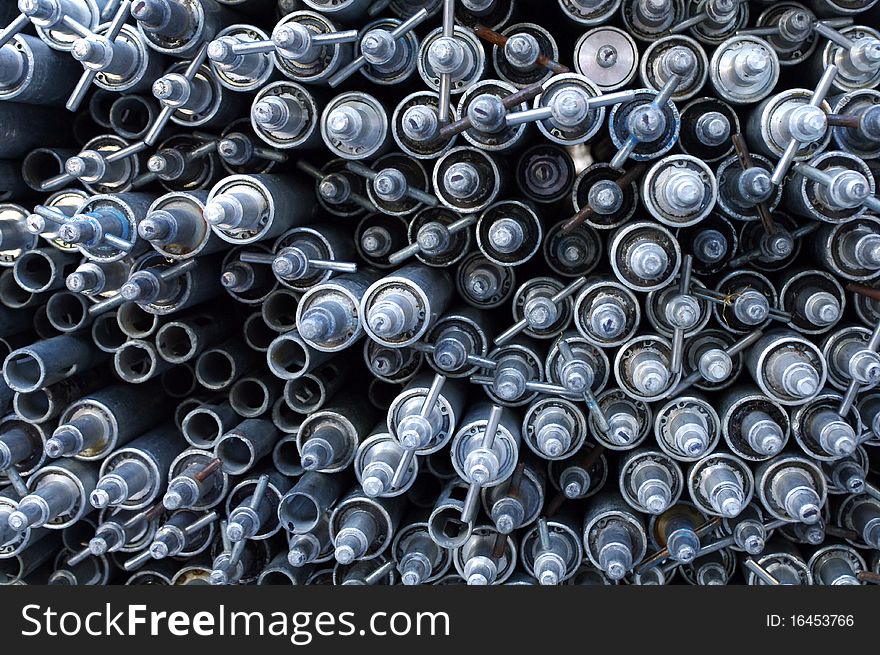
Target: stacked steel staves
<point x="430" y="292"/>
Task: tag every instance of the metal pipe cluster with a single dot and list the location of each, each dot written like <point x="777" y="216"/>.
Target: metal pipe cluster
<point x="434" y="292"/>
